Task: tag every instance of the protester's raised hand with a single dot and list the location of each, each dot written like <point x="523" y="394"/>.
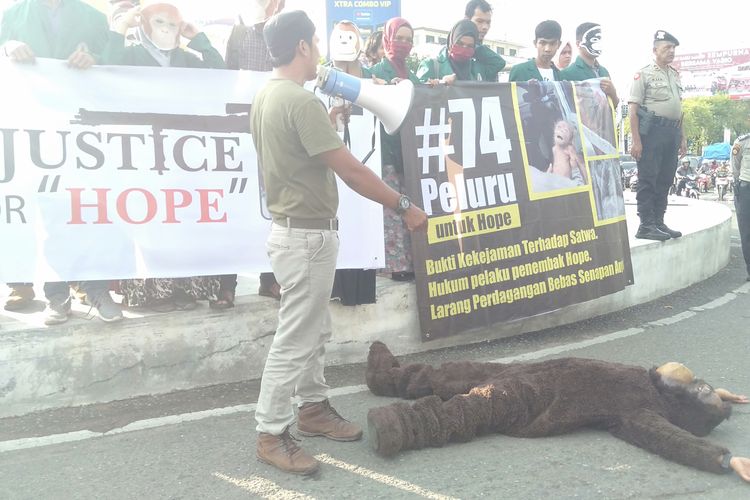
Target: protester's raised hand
<point x="81" y="58"/>
<point x="129" y="19"/>
<point x="415" y="218"/>
<point x="741" y="466"/>
<point x="19" y="52"/>
<point x="188" y="30"/>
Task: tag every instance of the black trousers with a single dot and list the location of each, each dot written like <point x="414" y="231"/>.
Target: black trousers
<point x="742" y="207"/>
<point x="656" y="170"/>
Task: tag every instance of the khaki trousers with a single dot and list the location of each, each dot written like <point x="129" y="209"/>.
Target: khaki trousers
<point x="304" y="263"/>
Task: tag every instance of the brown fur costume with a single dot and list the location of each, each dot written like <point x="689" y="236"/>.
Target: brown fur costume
<point x="460" y="400"/>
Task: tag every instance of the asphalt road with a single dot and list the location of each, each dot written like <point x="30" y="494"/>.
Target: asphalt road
<point x="213" y="456"/>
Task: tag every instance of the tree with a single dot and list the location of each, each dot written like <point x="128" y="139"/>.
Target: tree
<point x="704" y="120"/>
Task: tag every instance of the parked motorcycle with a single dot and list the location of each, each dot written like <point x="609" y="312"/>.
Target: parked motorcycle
<point x="634" y="182"/>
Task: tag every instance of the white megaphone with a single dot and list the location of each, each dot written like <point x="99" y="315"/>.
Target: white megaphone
<point x="390" y="103"/>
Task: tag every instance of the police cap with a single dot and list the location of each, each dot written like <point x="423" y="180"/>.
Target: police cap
<point x="664" y="36"/>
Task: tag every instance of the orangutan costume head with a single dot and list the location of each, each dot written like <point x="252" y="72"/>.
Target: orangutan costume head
<point x="698" y="408"/>
<point x="162" y="23"/>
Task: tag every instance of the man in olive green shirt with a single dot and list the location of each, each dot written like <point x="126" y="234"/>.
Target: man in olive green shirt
<point x="487" y="62"/>
<point x="546" y="40"/>
<point x="299" y="152"/>
<point x="656" y="123"/>
<point x="586" y="65"/>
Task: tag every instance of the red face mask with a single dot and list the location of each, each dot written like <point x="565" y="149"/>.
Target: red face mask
<point x="461" y="54"/>
<point x="401" y="49"/>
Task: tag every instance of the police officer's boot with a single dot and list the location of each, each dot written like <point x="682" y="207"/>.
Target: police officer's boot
<point x="648" y="230"/>
<point x="664" y="228"/>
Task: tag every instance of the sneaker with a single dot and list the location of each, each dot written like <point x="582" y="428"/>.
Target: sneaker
<point x="283" y="453"/>
<point x="108" y="311"/>
<point x="21" y="296"/>
<point x="56" y="314"/>
<point x="320" y="419"/>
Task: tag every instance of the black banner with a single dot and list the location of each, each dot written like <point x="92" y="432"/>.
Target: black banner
<point x="521" y="183"/>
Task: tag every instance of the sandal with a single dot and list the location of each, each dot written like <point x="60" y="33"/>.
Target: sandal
<point x="273" y="291"/>
<point x="226" y="301"/>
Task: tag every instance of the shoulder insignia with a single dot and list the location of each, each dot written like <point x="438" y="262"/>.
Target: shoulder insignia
<point x="637" y="76"/>
<point x="736" y="149"/>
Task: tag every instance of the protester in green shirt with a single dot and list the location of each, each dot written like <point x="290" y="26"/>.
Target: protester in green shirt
<point x="398" y="40"/>
<point x="546" y="40"/>
<point x="299" y="152"/>
<point x="586" y="65"/>
<point x="74" y="31"/>
<point x="487" y="62"/>
<point x="454" y="62"/>
<point x="159" y="29"/>
<point x="56" y="29"/>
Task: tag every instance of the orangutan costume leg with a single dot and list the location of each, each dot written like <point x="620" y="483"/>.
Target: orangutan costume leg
<point x="455" y="403"/>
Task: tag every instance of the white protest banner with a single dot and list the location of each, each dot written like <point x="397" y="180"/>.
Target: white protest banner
<point x="124" y="172"/>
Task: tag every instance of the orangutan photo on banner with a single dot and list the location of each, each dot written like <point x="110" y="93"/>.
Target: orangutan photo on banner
<point x="552" y="139"/>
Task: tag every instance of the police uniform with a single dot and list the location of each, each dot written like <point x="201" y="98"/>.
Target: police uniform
<point x="741" y="174"/>
<point x="658" y="91"/>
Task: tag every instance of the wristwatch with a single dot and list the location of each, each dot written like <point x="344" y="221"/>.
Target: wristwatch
<point x="403" y="204"/>
<point x="725" y="459"/>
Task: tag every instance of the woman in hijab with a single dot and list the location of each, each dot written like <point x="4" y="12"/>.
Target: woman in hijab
<point x="398" y="39"/>
<point x="159" y="27"/>
<point x="565" y="56"/>
<point x="455" y="60"/>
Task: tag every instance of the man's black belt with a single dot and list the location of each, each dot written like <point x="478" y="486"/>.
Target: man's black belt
<point x="665" y="122"/>
<point x="329" y="224"/>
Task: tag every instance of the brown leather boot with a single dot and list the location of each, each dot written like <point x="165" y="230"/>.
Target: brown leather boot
<point x="20" y="297"/>
<point x="320" y="419"/>
<point x="283" y="453"/>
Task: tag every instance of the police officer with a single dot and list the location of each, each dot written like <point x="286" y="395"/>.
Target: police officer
<point x="741" y="174"/>
<point x="656" y="123"/>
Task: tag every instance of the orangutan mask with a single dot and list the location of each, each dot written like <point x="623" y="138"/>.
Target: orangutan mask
<point x="345" y="42"/>
<point x="162" y="24"/>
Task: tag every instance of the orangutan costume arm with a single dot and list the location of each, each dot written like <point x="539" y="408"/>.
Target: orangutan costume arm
<point x="650" y="431"/>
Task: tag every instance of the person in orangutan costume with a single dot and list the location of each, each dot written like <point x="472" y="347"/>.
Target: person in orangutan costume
<point x="664" y="410"/>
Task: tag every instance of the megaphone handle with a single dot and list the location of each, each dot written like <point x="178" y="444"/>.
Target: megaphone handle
<point x="374" y="136"/>
<point x="347" y="136"/>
